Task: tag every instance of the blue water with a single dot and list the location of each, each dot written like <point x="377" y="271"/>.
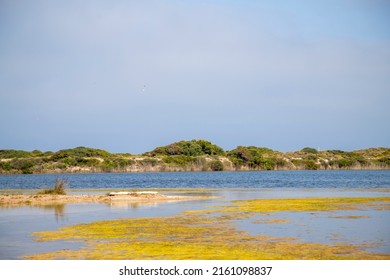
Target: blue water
<point x="366" y="179"/>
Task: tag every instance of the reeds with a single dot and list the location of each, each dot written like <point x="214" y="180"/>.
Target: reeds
<point x="59" y="188"/>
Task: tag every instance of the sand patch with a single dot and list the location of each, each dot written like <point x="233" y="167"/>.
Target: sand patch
<point x="12" y="200"/>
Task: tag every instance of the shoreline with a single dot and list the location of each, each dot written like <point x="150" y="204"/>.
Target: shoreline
<point x="31" y="197"/>
<point x="14" y="200"/>
<point x="184" y="170"/>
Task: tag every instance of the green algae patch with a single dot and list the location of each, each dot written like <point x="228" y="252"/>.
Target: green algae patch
<point x="271" y="221"/>
<point x="307" y="204"/>
<point x="350" y="217"/>
<point x="208" y="235"/>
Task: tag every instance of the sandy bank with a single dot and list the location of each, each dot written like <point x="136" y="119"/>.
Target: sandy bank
<point x="7" y="200"/>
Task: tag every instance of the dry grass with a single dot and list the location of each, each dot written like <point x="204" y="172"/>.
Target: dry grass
<point x="59" y="188"/>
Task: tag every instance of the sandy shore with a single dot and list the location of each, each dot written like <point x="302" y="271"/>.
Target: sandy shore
<point x="7" y="200"/>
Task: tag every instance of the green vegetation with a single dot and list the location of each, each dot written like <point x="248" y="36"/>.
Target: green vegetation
<point x="309" y="150"/>
<point x="59" y="188"/>
<point x="254" y="158"/>
<point x="14" y="154"/>
<point x="80" y="152"/>
<point x="188" y="148"/>
<point x="216" y="165"/>
<point x="194" y="155"/>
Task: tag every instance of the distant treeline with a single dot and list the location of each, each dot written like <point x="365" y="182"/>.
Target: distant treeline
<point x="194" y="155"/>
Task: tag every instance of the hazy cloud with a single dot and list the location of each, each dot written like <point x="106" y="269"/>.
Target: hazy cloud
<point x="131" y="75"/>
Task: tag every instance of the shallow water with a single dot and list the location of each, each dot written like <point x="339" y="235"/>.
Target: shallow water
<point x="370" y="227"/>
<point x="18" y="223"/>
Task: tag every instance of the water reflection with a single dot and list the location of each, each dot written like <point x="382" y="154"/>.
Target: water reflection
<point x="132" y="205"/>
<point x="59" y="210"/>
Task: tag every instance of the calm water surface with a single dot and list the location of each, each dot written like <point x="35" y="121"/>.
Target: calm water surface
<point x="17" y="223"/>
<point x="262" y="179"/>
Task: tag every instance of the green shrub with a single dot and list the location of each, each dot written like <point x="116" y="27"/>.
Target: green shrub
<point x="345" y="162"/>
<point x="188" y="148"/>
<point x="24" y="165"/>
<point x="70" y="161"/>
<point x="216" y="165"/>
<point x="253" y="157"/>
<point x="312" y="157"/>
<point x="14" y="154"/>
<point x="5" y="165"/>
<point x="209" y="148"/>
<point x="384" y="160"/>
<point x="268" y="164"/>
<point x="309" y="150"/>
<point x="310" y="165"/>
<point x="80" y="152"/>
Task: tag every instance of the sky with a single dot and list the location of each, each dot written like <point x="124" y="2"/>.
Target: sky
<point x="129" y="76"/>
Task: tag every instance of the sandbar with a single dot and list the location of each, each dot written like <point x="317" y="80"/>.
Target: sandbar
<point x="10" y="200"/>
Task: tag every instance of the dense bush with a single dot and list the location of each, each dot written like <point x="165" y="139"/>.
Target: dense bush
<point x="24" y="165"/>
<point x="312" y="157"/>
<point x="310" y="165"/>
<point x="309" y="150"/>
<point x="5" y="165"/>
<point x="209" y="148"/>
<point x="216" y="165"/>
<point x="188" y="148"/>
<point x="14" y="154"/>
<point x="189" y="155"/>
<point x="80" y="152"/>
<point x="268" y="163"/>
<point x="384" y="161"/>
<point x="253" y="157"/>
<point x="345" y="162"/>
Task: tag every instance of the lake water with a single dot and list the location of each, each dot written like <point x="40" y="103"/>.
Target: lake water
<point x="17" y="223"/>
<point x="262" y="179"/>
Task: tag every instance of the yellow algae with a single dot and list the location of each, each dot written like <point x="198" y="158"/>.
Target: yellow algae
<point x="349" y="217"/>
<point x="307" y="204"/>
<point x="173" y="227"/>
<point x="270" y="221"/>
<point x="208" y="234"/>
<point x="229" y="246"/>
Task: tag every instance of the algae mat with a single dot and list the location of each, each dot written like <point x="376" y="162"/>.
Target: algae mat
<point x="212" y="234"/>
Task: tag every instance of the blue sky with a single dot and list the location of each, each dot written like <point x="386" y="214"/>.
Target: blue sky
<point x="128" y="76"/>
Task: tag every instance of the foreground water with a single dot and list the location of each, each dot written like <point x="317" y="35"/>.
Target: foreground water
<point x="373" y="226"/>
